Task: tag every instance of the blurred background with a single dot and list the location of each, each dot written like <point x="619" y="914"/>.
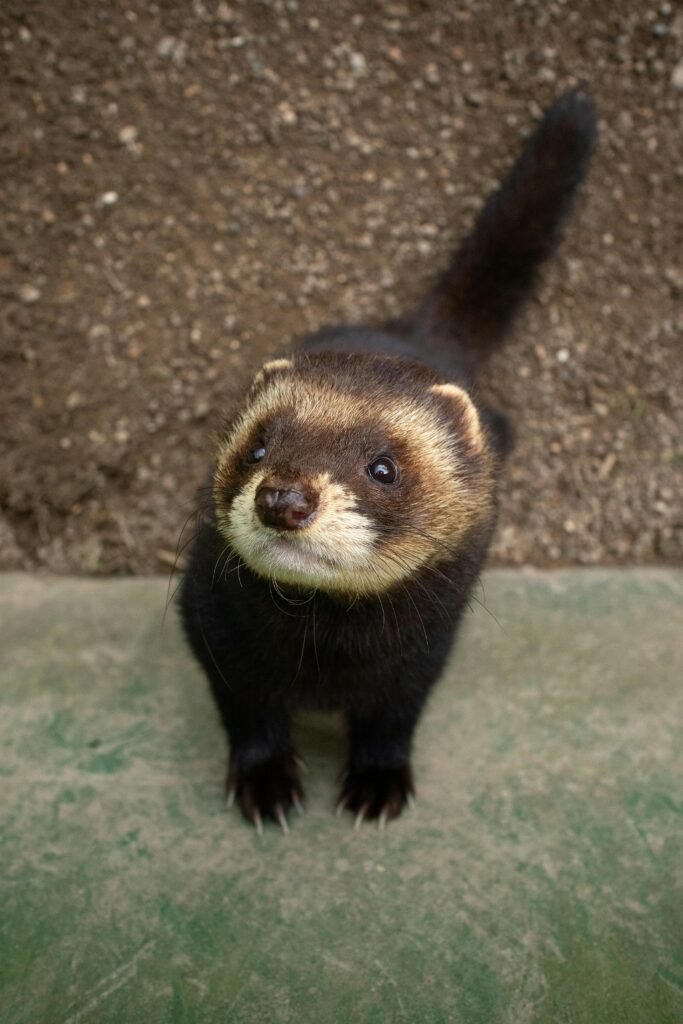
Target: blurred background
<point x="187" y="185"/>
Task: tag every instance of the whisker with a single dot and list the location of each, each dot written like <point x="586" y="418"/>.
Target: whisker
<point x="315" y="645"/>
<point x="417" y="612"/>
<point x="398" y="629"/>
<point x="228" y="562"/>
<point x="292" y="600"/>
<point x="170" y="598"/>
<point x="465" y="593"/>
<point x="303" y="646"/>
<point x="429" y="596"/>
<point x="225" y="551"/>
<point x="384" y="619"/>
<point x="236" y="569"/>
<point x="272" y="585"/>
<point x="180" y="549"/>
<point x="206" y="642"/>
<point x="199" y="492"/>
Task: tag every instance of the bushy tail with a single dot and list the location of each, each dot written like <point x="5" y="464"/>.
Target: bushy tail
<point x="494" y="269"/>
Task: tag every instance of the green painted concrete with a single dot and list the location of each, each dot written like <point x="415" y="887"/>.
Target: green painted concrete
<point x="538" y="879"/>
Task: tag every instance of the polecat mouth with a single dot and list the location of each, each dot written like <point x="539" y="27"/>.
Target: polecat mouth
<point x="288" y="553"/>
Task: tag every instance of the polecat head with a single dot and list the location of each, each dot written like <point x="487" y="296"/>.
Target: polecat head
<point x="349" y="473"/>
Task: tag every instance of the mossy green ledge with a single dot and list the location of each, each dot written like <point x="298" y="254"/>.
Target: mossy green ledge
<point x="538" y="879"/>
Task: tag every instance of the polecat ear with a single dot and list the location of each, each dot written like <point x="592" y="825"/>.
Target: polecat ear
<point x="465" y="411"/>
<point x="271" y="368"/>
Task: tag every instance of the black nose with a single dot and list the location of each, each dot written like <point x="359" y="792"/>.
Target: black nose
<point x="284" y="508"/>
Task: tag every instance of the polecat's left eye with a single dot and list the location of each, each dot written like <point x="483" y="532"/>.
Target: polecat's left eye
<point x="256" y="454"/>
<point x="384" y="470"/>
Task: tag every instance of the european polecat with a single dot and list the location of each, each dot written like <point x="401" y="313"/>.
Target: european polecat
<point x="353" y="500"/>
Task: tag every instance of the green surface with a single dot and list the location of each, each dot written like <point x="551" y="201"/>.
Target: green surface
<point x="538" y="878"/>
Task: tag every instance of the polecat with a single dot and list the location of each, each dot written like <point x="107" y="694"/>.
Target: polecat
<point x="353" y="500"/>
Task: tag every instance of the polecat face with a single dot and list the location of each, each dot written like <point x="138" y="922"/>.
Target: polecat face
<point x="348" y="473"/>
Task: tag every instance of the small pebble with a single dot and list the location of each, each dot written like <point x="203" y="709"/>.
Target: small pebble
<point x="166" y="46"/>
<point x="128" y="135"/>
<point x="432" y="74"/>
<point x="286" y="113"/>
<point x="607" y="466"/>
<point x="358" y="62"/>
<point x="677" y="76"/>
<point x="28" y="293"/>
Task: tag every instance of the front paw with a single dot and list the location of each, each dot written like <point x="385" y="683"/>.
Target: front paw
<point x="376" y="792"/>
<point x="268" y="789"/>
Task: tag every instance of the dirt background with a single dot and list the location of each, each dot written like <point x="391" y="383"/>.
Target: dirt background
<point x="185" y="185"/>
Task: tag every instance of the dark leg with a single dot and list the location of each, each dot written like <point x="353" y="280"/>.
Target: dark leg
<point x="378" y="780"/>
<point x="263" y="775"/>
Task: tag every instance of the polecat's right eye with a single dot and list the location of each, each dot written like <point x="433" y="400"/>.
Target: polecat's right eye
<point x="256" y="454"/>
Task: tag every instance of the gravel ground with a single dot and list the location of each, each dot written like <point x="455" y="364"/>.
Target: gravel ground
<point x="187" y="184"/>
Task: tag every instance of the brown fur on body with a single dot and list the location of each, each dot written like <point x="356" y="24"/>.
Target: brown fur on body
<point x="352" y="504"/>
